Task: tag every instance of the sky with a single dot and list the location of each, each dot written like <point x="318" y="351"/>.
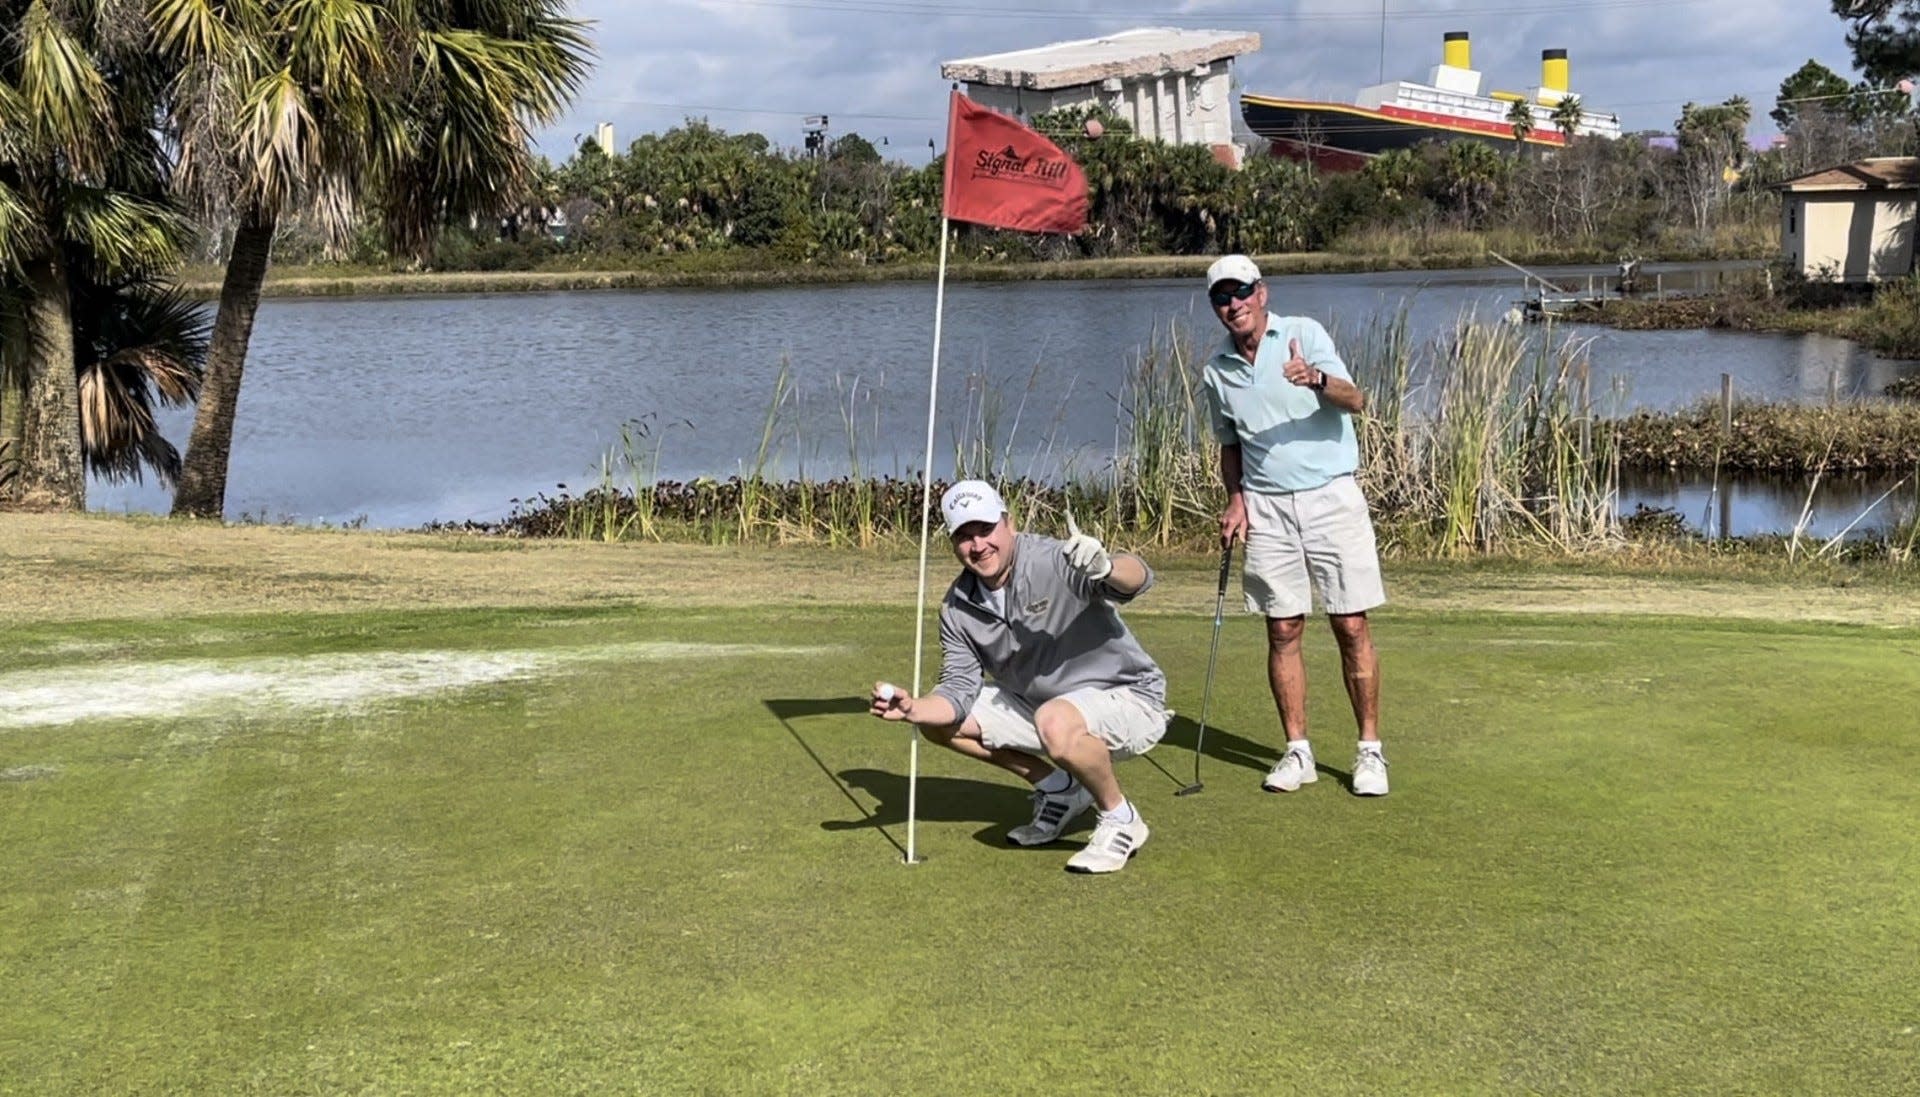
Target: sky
<point x="873" y="66"/>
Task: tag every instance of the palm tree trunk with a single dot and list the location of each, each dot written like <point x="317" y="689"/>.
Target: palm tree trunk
<point x="13" y="399"/>
<point x="53" y="471"/>
<point x="203" y="476"/>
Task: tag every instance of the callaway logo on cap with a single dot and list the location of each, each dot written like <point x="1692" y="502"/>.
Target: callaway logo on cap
<point x="971" y="501"/>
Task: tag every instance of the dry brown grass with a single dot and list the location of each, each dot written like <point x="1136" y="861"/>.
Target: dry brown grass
<point x="66" y="567"/>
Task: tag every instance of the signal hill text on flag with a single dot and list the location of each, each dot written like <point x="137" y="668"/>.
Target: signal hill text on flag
<point x="1002" y="174"/>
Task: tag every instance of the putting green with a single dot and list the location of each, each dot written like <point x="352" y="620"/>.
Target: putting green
<point x="659" y="851"/>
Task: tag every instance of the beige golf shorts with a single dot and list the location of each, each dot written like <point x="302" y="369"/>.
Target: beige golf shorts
<point x="1128" y="723"/>
<point x="1313" y="545"/>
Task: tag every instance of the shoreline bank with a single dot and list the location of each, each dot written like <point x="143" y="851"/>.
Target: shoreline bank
<point x="203" y="283"/>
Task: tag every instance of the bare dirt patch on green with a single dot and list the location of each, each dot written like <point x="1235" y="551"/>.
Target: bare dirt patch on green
<point x="63" y="567"/>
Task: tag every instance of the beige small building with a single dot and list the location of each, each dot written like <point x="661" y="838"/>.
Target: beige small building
<point x="1172" y="85"/>
<point x="1853" y="223"/>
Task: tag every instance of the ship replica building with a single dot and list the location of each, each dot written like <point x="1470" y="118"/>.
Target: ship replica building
<point x="1172" y="85"/>
<point x="1401" y="114"/>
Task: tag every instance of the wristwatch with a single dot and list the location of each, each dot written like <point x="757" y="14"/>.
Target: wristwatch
<point x="1320" y="382"/>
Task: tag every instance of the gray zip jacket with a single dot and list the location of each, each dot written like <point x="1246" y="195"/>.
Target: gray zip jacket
<point x="1061" y="633"/>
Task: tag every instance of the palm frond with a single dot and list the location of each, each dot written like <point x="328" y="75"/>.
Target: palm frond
<point x="277" y="139"/>
<point x="21" y="233"/>
<point x="122" y="235"/>
<point x="138" y="345"/>
<point x="65" y="99"/>
<point x="13" y="122"/>
<point x="192" y="29"/>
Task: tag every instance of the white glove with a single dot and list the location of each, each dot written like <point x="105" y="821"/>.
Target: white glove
<point x="1085" y="552"/>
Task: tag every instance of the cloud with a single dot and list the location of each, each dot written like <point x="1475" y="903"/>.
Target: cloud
<point x="872" y="66"/>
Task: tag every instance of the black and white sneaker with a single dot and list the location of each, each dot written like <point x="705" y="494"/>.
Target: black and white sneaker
<point x="1052" y="811"/>
<point x="1110" y="847"/>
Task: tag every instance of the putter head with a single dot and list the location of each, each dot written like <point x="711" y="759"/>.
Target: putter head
<point x="1190" y="789"/>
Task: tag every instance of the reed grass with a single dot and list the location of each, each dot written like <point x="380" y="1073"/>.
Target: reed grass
<point x="1164" y="481"/>
<point x="1504" y="452"/>
<point x="853" y="511"/>
<point x="1485" y="440"/>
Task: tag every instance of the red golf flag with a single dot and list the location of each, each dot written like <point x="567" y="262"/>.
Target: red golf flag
<point x="1001" y="173"/>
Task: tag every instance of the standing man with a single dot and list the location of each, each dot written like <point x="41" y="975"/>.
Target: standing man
<point x="1281" y="404"/>
<point x="1072" y="689"/>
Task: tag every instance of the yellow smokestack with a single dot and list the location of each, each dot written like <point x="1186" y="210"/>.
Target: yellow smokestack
<point x="1459" y="51"/>
<point x="1553" y="72"/>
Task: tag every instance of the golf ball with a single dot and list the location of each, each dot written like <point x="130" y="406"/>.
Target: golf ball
<point x="886" y="692"/>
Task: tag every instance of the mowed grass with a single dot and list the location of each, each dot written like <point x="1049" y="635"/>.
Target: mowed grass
<point x="1621" y="855"/>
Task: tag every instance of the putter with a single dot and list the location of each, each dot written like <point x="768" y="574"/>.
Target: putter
<point x="1206" y="694"/>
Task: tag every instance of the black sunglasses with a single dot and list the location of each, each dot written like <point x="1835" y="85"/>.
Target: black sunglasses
<point x="1221" y="298"/>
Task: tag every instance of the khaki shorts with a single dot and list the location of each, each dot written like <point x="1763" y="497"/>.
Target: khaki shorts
<point x="1128" y="723"/>
<point x="1308" y="545"/>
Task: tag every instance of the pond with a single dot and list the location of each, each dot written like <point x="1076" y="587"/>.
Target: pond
<point x="398" y="411"/>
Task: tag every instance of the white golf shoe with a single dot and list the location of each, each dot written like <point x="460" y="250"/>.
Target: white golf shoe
<point x="1295" y="768"/>
<point x="1369" y="773"/>
<point x="1111" y="846"/>
<point x="1052" y="811"/>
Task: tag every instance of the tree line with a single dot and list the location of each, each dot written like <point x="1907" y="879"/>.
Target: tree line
<point x="700" y="195"/>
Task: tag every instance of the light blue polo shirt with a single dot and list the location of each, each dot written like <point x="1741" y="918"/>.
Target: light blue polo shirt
<point x="1290" y="439"/>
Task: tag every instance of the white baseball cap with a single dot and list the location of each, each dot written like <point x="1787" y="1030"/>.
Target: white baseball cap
<point x="1232" y="268"/>
<point x="971" y="501"/>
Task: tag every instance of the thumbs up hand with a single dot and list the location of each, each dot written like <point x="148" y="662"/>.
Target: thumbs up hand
<point x="1296" y="368"/>
<point x="1085" y="553"/>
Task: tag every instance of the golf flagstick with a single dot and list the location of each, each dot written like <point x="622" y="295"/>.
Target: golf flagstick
<point x="926" y="520"/>
<point x="1017" y="179"/>
<point x="1206" y="694"/>
<point x="926" y="480"/>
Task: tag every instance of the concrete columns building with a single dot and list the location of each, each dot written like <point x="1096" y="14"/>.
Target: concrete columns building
<point x="1172" y="85"/>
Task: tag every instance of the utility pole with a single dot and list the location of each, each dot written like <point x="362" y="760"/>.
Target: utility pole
<point x="1383" y="42"/>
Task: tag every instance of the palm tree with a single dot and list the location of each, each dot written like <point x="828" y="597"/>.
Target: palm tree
<point x="81" y="177"/>
<point x="1567" y="116"/>
<point x="1471" y="175"/>
<point x="416" y="113"/>
<point x="1520" y="117"/>
<point x="1397" y="172"/>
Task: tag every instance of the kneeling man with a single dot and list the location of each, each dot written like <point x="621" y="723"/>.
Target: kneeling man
<point x="1072" y="689"/>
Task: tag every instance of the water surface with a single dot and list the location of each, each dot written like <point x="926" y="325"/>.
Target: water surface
<point x="397" y="411"/>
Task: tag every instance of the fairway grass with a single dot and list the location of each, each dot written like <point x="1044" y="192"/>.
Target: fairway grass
<point x="657" y="848"/>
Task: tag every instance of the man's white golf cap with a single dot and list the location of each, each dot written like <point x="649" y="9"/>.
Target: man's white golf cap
<point x="1232" y="268"/>
<point x="971" y="501"/>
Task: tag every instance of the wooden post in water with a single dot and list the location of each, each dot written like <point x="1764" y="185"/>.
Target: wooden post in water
<point x="1726" y="403"/>
<point x="1659" y="288"/>
<point x="1833" y="386"/>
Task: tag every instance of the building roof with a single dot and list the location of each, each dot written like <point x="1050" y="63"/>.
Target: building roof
<point x="1146" y="51"/>
<point x="1878" y="173"/>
